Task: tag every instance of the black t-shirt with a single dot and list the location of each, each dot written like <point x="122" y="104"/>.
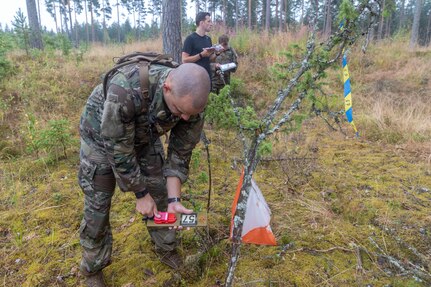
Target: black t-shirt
<point x="194" y="44"/>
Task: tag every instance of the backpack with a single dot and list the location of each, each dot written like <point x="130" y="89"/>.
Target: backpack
<point x="145" y="59"/>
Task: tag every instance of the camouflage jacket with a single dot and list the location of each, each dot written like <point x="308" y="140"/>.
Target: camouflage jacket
<point x="227" y="56"/>
<point x="114" y="131"/>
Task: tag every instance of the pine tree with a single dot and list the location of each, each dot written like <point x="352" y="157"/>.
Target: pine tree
<point x="35" y="35"/>
<point x="171" y="28"/>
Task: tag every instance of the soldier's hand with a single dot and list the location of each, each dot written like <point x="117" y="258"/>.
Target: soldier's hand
<point x="177" y="207"/>
<point x="147" y="207"/>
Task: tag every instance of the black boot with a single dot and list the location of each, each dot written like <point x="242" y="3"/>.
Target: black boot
<point x="170" y="258"/>
<point x="94" y="279"/>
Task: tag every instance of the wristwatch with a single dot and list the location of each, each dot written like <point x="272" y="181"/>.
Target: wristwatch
<point x="173" y="199"/>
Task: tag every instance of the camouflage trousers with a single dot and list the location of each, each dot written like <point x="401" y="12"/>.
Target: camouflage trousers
<point x="217" y="82"/>
<point x="98" y="184"/>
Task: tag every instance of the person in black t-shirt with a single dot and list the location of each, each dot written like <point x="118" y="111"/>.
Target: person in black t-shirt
<point x="198" y="46"/>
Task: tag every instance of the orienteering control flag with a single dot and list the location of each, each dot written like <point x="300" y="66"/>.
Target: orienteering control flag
<point x="256" y="228"/>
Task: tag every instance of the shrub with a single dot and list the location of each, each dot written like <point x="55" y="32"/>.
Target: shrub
<point x="56" y="138"/>
<point x="220" y="111"/>
<point x="5" y="65"/>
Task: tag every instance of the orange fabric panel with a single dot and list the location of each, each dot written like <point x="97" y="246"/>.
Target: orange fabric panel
<point x="260" y="235"/>
<point x="235" y="200"/>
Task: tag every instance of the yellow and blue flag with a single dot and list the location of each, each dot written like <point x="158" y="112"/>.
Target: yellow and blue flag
<point x="348" y="94"/>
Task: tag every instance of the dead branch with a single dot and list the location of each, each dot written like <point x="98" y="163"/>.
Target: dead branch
<point x="405" y="266"/>
<point x="302" y="85"/>
<point x="314" y="251"/>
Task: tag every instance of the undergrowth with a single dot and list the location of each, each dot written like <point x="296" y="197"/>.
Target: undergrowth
<point x="339" y="204"/>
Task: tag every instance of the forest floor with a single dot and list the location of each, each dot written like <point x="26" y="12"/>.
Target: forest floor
<point x="346" y="211"/>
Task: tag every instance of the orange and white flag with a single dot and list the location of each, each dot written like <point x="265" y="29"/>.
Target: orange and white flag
<point x="256" y="228"/>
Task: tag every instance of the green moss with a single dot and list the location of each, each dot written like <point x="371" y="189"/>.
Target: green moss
<point x="327" y="192"/>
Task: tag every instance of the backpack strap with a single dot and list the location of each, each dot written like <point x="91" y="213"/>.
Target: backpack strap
<point x="145" y="60"/>
<point x="144" y="79"/>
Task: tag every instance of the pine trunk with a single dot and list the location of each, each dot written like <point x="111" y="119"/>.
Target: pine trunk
<point x="93" y="34"/>
<point x="35" y="34"/>
<point x="55" y="18"/>
<point x="118" y="22"/>
<point x="328" y="19"/>
<point x="428" y="30"/>
<point x="402" y="15"/>
<point x="380" y="30"/>
<point x="38" y="14"/>
<point x="415" y="28"/>
<point x="87" y="33"/>
<point x="267" y="15"/>
<point x="76" y="29"/>
<point x="171" y="28"/>
<point x="249" y="14"/>
<point x="70" y="19"/>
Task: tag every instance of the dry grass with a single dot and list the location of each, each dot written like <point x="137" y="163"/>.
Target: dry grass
<point x="391" y="92"/>
<point x="328" y="193"/>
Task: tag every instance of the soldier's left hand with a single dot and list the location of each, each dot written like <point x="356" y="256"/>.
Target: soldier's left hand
<point x="177" y="207"/>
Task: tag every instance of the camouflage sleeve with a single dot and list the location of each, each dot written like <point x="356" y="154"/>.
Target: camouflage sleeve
<point x="234" y="59"/>
<point x="183" y="138"/>
<point x="118" y="132"/>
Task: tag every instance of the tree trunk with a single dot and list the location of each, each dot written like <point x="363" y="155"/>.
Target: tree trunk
<point x="380" y="30"/>
<point x="93" y="34"/>
<point x="63" y="11"/>
<point x="388" y="27"/>
<point x="301" y="18"/>
<point x="87" y="33"/>
<point x="224" y="12"/>
<point x="402" y="15"/>
<point x="70" y="19"/>
<point x="38" y="14"/>
<point x="35" y="35"/>
<point x="236" y="15"/>
<point x="415" y="28"/>
<point x="171" y="28"/>
<point x="328" y="19"/>
<point x="267" y="15"/>
<point x="249" y="14"/>
<point x="55" y="18"/>
<point x="282" y="16"/>
<point x="428" y="30"/>
<point x="76" y="27"/>
<point x="61" y="19"/>
<point x="104" y="40"/>
<point x="139" y="24"/>
<point x="118" y="22"/>
<point x="277" y="16"/>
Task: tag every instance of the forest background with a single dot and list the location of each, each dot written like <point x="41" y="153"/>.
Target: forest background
<point x="346" y="211"/>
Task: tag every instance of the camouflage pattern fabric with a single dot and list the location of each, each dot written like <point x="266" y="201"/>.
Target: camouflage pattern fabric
<point x="227" y="56"/>
<point x="120" y="144"/>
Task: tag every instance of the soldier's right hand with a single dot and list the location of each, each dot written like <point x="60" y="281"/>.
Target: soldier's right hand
<point x="147" y="207"/>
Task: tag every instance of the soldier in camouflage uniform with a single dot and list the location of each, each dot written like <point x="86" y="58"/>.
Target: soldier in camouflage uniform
<point x="120" y="144"/>
<point x="228" y="55"/>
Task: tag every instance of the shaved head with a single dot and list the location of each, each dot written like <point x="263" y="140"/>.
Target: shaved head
<point x="191" y="80"/>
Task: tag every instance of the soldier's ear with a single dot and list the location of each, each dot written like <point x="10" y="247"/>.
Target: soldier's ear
<point x="167" y="87"/>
